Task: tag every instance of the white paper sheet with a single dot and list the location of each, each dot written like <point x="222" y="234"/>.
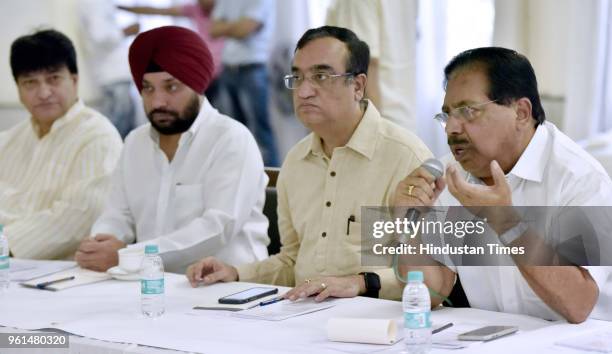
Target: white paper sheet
<point x="599" y="342"/>
<point x="81" y="277"/>
<point x="447" y="339"/>
<point x="362" y="330"/>
<point x="26" y="269"/>
<point x="212" y="294"/>
<point x="286" y="309"/>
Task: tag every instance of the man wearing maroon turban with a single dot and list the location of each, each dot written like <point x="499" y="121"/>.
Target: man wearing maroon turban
<point x="191" y="181"/>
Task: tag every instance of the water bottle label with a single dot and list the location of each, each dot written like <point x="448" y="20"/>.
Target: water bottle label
<point x="4" y="262"/>
<point x="417" y="320"/>
<point x="152" y="287"/>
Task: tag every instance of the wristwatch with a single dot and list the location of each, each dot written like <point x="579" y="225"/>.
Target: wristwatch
<point x="372" y="284"/>
<point x="515" y="232"/>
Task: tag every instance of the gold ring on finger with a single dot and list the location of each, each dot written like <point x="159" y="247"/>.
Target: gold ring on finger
<point x="323" y="286"/>
<point x="410" y="188"/>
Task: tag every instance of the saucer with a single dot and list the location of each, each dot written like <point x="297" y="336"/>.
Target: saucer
<point x="121" y="274"/>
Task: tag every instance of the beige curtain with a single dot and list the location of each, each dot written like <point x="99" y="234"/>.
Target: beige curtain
<point x="589" y="71"/>
<point x="539" y="29"/>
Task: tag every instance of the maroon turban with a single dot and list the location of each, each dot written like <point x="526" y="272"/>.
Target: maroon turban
<point x="180" y="52"/>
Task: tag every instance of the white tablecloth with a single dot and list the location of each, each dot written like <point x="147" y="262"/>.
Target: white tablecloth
<point x="110" y="311"/>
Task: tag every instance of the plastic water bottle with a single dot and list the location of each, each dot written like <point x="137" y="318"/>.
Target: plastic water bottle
<point x="152" y="283"/>
<point x="417" y="311"/>
<point x="5" y="279"/>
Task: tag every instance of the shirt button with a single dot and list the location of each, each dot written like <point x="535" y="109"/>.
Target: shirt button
<point x="328" y="204"/>
<point x="332" y="173"/>
<point x="324" y="234"/>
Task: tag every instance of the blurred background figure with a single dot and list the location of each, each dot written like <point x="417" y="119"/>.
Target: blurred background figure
<point x="389" y="28"/>
<point x="105" y="51"/>
<point x="248" y="28"/>
<point x="199" y="13"/>
<point x="567" y="41"/>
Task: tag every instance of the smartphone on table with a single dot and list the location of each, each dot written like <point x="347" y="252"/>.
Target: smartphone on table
<point x="248" y="295"/>
<point x="488" y="333"/>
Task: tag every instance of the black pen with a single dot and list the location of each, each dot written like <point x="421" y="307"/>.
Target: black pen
<point x="440" y="329"/>
<point x="44" y="285"/>
<point x="271" y="301"/>
<point x="348" y="223"/>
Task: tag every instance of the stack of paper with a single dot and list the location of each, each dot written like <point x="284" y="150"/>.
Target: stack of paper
<point x="448" y="338"/>
<point x="81" y="277"/>
<point x="26" y="269"/>
<point x="212" y="293"/>
<point x="286" y="309"/>
<point x="213" y="304"/>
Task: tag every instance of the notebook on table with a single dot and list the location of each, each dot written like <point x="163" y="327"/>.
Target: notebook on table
<point x="66" y="279"/>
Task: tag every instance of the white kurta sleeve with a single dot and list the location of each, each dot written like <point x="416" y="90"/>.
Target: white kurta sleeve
<point x="117" y="219"/>
<point x="57" y="231"/>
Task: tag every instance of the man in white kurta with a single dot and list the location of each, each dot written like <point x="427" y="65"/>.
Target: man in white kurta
<point x="552" y="171"/>
<point x="55" y="167"/>
<point x="506" y="155"/>
<point x="191" y="181"/>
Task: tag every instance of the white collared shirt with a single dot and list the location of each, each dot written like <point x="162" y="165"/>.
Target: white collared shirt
<point x="552" y="171"/>
<point x="318" y="196"/>
<point x="53" y="188"/>
<point x="207" y="201"/>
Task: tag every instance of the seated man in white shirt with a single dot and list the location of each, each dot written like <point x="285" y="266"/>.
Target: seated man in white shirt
<point x="191" y="181"/>
<point x="55" y="165"/>
<point x="509" y="155"/>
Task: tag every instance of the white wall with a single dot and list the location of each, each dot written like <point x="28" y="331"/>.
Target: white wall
<point x="24" y="16"/>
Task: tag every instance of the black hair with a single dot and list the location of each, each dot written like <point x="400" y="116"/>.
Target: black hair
<point x="510" y="76"/>
<point x="42" y="50"/>
<point x="359" y="53"/>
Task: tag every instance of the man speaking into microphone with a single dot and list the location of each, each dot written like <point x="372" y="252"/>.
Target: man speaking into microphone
<point x="507" y="155"/>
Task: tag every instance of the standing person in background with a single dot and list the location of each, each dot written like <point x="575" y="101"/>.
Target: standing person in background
<point x="389" y="28"/>
<point x="247" y="26"/>
<point x="199" y="13"/>
<point x="106" y="53"/>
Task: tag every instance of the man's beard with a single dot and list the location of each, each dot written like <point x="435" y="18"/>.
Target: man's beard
<point x="180" y="122"/>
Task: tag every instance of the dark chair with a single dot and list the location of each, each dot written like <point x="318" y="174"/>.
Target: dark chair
<point x="269" y="211"/>
<point x="457" y="296"/>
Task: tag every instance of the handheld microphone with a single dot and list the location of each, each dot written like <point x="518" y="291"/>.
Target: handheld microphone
<point x="436" y="168"/>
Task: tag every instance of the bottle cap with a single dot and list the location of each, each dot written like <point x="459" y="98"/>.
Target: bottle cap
<point x="151" y="249"/>
<point x="415" y="276"/>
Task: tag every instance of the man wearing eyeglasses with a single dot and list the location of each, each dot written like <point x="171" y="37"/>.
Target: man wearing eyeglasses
<point x="507" y="155"/>
<point x="352" y="158"/>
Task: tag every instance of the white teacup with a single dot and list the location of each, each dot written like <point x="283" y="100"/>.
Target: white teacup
<point x="130" y="259"/>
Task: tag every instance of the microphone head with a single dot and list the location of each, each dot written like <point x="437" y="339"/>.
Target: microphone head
<point x="434" y="166"/>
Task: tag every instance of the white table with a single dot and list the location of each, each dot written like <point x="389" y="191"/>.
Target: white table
<point x="110" y="311"/>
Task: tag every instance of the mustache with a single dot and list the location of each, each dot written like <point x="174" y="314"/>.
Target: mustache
<point x="163" y="111"/>
<point x="453" y="140"/>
